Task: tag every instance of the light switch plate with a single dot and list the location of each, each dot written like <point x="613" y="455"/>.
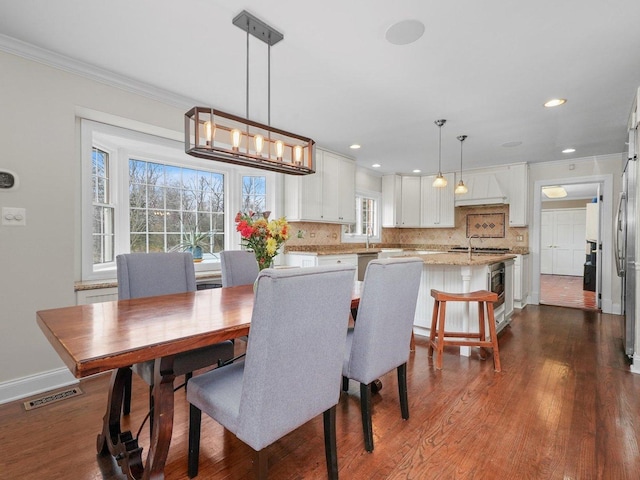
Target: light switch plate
<point x="14" y="217"/>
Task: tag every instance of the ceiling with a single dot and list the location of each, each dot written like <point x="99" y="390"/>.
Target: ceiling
<point x="486" y="67"/>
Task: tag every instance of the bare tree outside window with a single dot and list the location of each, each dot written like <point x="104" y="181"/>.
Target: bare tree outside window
<point x="254" y="193"/>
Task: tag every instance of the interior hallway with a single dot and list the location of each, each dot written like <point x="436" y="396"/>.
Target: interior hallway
<point x="566" y="291"/>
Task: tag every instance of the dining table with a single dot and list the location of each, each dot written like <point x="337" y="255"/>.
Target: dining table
<point x="112" y="336"/>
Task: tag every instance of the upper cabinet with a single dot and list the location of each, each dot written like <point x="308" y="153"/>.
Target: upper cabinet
<point x="326" y="196"/>
<point x="412" y="202"/>
<point x="438" y="203"/>
<point x="391" y="201"/>
<point x="518" y="191"/>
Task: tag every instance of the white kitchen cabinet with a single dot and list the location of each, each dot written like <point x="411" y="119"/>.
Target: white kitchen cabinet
<point x="509" y="271"/>
<point x="391" y="201"/>
<point x="411" y="201"/>
<point x="438" y="203"/>
<point x="521" y="281"/>
<point x="518" y="191"/>
<point x="327" y="196"/>
<point x="313" y="260"/>
<point x="96" y="295"/>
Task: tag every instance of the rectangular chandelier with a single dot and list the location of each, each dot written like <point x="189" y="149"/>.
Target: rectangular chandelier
<point x="215" y="135"/>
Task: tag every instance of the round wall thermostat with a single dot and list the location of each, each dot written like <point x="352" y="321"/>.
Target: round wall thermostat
<point x="8" y="180"/>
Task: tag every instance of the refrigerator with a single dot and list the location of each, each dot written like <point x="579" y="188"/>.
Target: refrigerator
<point x="625" y="238"/>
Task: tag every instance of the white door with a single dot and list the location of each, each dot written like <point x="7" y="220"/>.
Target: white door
<point x="563" y="237"/>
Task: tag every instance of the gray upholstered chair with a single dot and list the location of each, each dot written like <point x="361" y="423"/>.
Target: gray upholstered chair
<point x="292" y="369"/>
<point x="151" y="274"/>
<point x="379" y="341"/>
<point x="238" y="267"/>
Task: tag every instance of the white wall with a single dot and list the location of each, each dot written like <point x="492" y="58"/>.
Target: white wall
<point x="39" y="142"/>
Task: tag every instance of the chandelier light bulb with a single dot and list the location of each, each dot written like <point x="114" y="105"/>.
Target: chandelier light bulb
<point x="235" y="139"/>
<point x="259" y="143"/>
<point x="209" y="132"/>
<point x="279" y="149"/>
<point x="297" y="154"/>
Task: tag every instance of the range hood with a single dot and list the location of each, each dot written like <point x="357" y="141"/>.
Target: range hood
<point x="484" y="189"/>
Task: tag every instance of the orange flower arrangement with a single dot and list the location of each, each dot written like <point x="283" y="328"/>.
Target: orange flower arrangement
<point x="262" y="236"/>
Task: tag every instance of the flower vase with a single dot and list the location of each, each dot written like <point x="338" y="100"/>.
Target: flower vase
<point x="196" y="252"/>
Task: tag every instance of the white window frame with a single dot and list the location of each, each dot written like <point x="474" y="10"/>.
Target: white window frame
<point x="121" y="144"/>
<point x="360" y="238"/>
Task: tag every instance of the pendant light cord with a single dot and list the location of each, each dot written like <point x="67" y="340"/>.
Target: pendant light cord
<point x="247" y="96"/>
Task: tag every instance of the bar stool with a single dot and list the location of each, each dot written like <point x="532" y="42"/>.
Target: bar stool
<point x="485" y="299"/>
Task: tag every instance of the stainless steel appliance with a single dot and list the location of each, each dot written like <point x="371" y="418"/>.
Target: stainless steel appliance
<point x="495" y="282"/>
<point x="625" y="241"/>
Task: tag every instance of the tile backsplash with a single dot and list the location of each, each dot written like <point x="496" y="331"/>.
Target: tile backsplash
<point x="325" y="234"/>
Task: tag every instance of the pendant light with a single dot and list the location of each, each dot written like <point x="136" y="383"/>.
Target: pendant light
<point x="440" y="181"/>
<point x="461" y="187"/>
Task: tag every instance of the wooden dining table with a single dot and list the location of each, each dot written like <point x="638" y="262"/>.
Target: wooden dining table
<point x="112" y="336"/>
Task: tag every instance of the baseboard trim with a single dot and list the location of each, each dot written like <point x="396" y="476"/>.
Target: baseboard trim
<point x="35" y="384"/>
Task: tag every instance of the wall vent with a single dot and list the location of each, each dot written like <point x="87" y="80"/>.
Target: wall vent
<point x="52" y="398"/>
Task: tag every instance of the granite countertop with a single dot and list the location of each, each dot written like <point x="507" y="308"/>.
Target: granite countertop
<point x="358" y="248"/>
<point x="461" y="259"/>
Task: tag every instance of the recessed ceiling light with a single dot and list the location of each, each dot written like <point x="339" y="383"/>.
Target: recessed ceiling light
<point x="512" y="144"/>
<point x="376" y="165"/>
<point x="554" y="102"/>
<point x="568" y="150"/>
<point x="355" y="146"/>
<point x="404" y="32"/>
<point x="417" y="170"/>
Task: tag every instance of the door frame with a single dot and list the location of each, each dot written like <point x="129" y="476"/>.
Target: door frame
<point x="606" y="228"/>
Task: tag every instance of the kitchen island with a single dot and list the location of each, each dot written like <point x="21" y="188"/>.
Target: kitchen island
<point x="457" y="273"/>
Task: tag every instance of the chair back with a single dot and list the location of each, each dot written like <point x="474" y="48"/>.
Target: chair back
<point x="384" y="322"/>
<point x="295" y="352"/>
<point x="151" y="274"/>
<point x="239" y="267"/>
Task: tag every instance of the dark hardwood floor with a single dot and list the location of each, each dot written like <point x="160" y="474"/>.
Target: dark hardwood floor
<point x="565" y="406"/>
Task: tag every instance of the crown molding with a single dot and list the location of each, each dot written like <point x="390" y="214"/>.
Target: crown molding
<point x="46" y="57"/>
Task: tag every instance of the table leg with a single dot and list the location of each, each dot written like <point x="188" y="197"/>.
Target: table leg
<point x="121" y="445"/>
<point x="162" y="419"/>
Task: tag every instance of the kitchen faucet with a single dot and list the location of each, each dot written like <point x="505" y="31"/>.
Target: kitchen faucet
<point x="472" y="236"/>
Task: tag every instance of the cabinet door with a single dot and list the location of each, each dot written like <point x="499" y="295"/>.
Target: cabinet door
<point x="347" y="191"/>
<point x="330" y="187"/>
<point x="303" y="194"/>
<point x="518" y="191"/>
<point x="411" y="201"/>
<point x="391" y="200"/>
<point x="438" y="203"/>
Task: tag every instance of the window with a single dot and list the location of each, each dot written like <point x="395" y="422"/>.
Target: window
<point x="367" y="219"/>
<point x="254" y="194"/>
<point x="141" y="193"/>
<point x="103" y="208"/>
<point x="165" y="201"/>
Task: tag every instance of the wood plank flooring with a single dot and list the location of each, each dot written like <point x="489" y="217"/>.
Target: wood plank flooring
<point x="565" y="406"/>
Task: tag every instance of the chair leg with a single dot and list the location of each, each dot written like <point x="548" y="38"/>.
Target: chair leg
<point x="441" y="316"/>
<point x="195" y="417"/>
<point x="345" y="384"/>
<point x="126" y="402"/>
<point x="365" y="410"/>
<point x="187" y="377"/>
<point x="434" y="323"/>
<point x="151" y="411"/>
<point x="402" y="391"/>
<point x="260" y="465"/>
<point x="494" y="337"/>
<point x="330" y="450"/>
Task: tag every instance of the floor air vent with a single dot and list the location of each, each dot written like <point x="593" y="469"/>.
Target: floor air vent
<point x="52" y="398"/>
